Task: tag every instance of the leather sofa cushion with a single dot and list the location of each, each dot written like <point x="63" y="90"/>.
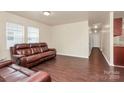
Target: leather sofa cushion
<point x="43" y="44"/>
<point x="15" y="76"/>
<point x="33" y="58"/>
<point x="25" y="52"/>
<point x="22" y="46"/>
<point x="14" y="73"/>
<point x="36" y="50"/>
<point x="10" y="74"/>
<point x="39" y="76"/>
<point x="35" y="45"/>
<point x="45" y="48"/>
<point x="24" y="70"/>
<point x="5" y="71"/>
<point x="41" y="49"/>
<point x="48" y="53"/>
<point x="36" y="57"/>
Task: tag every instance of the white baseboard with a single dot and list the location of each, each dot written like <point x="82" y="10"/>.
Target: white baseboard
<point x="118" y="66"/>
<point x="106" y="59"/>
<point x="111" y="64"/>
<point x="72" y="55"/>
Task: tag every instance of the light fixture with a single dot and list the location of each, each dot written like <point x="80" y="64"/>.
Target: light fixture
<point x="46" y="13"/>
<point x="96" y="26"/>
<point x="95" y="31"/>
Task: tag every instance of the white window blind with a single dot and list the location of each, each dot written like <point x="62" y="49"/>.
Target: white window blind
<point x="14" y="34"/>
<point x="33" y="35"/>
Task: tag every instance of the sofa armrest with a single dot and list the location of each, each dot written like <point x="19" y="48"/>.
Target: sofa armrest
<point x="18" y="56"/>
<point x="18" y="59"/>
<point x="52" y="49"/>
<point x="39" y="76"/>
<point x="5" y="63"/>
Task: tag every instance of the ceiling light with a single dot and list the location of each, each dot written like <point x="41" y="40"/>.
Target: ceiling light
<point x="46" y="13"/>
<point x="96" y="26"/>
<point x="95" y="31"/>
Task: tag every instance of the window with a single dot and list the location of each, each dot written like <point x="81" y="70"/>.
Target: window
<point x="33" y="35"/>
<point x="14" y="34"/>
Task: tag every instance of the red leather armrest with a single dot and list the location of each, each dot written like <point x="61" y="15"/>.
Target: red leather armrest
<point x="5" y="63"/>
<point x="52" y="49"/>
<point x="39" y="76"/>
<point x="18" y="56"/>
<point x="19" y="59"/>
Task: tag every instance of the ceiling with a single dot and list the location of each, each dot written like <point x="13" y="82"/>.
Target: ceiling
<point x="63" y="17"/>
<point x="97" y="17"/>
<point x="118" y="14"/>
<point x="56" y="18"/>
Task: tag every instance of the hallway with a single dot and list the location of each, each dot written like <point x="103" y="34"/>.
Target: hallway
<point x="102" y="70"/>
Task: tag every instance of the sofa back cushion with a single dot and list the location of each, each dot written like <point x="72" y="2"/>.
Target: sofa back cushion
<point x="22" y="46"/>
<point x="32" y="45"/>
<point x="45" y="48"/>
<point x="30" y="49"/>
<point x="23" y="49"/>
<point x="36" y="50"/>
<point x="25" y="52"/>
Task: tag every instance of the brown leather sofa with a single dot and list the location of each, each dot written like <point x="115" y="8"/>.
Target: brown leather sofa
<point x="13" y="73"/>
<point x="32" y="54"/>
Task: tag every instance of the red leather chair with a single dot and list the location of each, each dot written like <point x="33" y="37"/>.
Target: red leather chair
<point x="13" y="73"/>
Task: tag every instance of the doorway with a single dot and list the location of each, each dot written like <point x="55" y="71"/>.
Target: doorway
<point x="94" y="40"/>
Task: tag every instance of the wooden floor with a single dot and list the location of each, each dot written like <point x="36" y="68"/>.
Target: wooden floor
<point x="72" y="69"/>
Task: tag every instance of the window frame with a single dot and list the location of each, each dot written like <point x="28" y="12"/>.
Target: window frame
<point x="38" y="38"/>
<point x="7" y="31"/>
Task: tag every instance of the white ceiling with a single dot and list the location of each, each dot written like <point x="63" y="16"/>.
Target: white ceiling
<point x="118" y="14"/>
<point x="63" y="17"/>
<point x="56" y="18"/>
<point x="97" y="17"/>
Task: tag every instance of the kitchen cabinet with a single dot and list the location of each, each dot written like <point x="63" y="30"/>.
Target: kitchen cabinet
<point x="119" y="55"/>
<point x="117" y="26"/>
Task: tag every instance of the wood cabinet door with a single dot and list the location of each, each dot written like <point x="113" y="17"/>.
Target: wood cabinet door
<point x="119" y="56"/>
<point x="117" y="26"/>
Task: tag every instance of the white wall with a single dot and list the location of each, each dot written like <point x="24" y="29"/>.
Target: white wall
<point x="107" y="38"/>
<point x="8" y="17"/>
<point x="95" y="39"/>
<point x="111" y="38"/>
<point x="71" y="39"/>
